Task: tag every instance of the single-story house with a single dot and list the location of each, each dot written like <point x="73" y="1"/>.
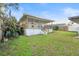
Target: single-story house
<point x="34" y="25"/>
<point x="74" y="24"/>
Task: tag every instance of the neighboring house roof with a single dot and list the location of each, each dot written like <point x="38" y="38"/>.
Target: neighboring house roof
<point x="74" y="19"/>
<point x="35" y="18"/>
<point x="60" y="25"/>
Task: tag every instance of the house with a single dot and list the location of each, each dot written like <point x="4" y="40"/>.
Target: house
<point x="74" y="24"/>
<point x="34" y="25"/>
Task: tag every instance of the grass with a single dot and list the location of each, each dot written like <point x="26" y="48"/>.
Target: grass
<point x="58" y="43"/>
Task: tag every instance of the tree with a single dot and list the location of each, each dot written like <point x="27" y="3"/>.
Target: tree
<point x="2" y="7"/>
<point x="7" y="8"/>
<point x="9" y="21"/>
<point x="10" y="27"/>
<point x="10" y="7"/>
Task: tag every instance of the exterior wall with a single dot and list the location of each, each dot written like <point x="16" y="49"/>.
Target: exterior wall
<point x="34" y="24"/>
<point x="30" y="32"/>
<point x="33" y="27"/>
<point x="73" y="27"/>
<point x="50" y="30"/>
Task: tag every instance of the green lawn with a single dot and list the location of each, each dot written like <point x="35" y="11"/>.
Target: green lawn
<point x="56" y="43"/>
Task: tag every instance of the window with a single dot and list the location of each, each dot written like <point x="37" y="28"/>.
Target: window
<point x="30" y="20"/>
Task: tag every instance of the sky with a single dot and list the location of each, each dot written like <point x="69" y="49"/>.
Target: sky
<point x="59" y="12"/>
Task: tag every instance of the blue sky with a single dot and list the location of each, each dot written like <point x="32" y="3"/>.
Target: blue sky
<point x="58" y="12"/>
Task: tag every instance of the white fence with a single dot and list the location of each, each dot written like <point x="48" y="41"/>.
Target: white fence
<point x="33" y="31"/>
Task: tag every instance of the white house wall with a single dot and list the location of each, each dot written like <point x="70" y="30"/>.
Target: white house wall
<point x="50" y="30"/>
<point x="74" y="27"/>
<point x="30" y="32"/>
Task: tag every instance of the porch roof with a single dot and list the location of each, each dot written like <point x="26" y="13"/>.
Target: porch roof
<point x="35" y="18"/>
<point x="74" y="19"/>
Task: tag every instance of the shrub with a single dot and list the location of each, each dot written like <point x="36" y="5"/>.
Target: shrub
<point x="55" y="28"/>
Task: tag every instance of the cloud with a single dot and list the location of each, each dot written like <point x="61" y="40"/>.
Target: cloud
<point x="71" y="12"/>
<point x="64" y="14"/>
<point x="57" y="18"/>
<point x="46" y="14"/>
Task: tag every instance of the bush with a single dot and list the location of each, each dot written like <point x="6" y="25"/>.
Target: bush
<point x="11" y="29"/>
<point x="14" y="32"/>
<point x="55" y="28"/>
